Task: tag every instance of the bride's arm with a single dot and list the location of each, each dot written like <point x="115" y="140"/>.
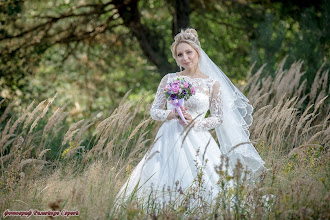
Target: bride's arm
<point x="157" y="111"/>
<point x="215" y="118"/>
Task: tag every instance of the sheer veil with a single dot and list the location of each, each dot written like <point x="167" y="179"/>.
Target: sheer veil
<point x="233" y="134"/>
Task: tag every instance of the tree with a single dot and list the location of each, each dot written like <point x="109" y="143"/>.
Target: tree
<point x="228" y="27"/>
<point x="83" y="22"/>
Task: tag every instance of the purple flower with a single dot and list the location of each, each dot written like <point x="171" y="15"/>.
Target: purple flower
<point x="176" y="89"/>
<point x="179" y="89"/>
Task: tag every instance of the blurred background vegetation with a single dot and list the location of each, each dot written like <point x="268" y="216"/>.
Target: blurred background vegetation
<point x="91" y="52"/>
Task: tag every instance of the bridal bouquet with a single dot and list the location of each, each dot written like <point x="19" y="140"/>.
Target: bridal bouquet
<point x="178" y="91"/>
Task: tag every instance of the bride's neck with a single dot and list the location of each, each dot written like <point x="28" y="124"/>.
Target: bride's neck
<point x="192" y="72"/>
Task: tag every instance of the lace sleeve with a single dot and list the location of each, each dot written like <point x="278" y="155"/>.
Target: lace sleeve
<point x="215" y="118"/>
<point x="157" y="112"/>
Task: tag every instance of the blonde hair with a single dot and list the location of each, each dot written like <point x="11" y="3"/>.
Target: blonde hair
<point x="188" y="36"/>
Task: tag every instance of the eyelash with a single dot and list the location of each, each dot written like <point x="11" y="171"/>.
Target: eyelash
<point x="188" y="52"/>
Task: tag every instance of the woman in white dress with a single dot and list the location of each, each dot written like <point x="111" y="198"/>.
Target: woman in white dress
<point x="173" y="162"/>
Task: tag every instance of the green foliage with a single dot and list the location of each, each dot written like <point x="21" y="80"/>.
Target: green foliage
<point x="305" y="39"/>
<point x="17" y="61"/>
<point x="270" y="38"/>
<point x="93" y="73"/>
<point x="224" y="40"/>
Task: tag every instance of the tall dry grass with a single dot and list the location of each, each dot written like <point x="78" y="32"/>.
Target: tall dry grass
<point x="88" y="170"/>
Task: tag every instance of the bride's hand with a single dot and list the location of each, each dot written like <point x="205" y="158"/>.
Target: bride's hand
<point x="188" y="118"/>
<point x="172" y="115"/>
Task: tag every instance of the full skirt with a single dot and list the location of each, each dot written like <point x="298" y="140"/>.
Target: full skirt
<point x="179" y="160"/>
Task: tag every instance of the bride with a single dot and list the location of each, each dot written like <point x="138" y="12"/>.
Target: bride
<point x="179" y="151"/>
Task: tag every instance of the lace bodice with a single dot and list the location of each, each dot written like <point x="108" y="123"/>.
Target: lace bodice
<point x="207" y="97"/>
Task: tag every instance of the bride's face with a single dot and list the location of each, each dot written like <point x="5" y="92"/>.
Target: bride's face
<point x="186" y="56"/>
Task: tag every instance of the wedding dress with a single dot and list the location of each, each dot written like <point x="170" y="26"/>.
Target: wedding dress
<point x="172" y="162"/>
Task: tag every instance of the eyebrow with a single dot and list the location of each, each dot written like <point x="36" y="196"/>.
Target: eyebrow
<point x="184" y="51"/>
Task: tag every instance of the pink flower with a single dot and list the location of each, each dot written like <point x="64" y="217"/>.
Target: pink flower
<point x="192" y="90"/>
<point x="168" y="87"/>
<point x="176" y="82"/>
<point x="176" y="88"/>
<point x="186" y="85"/>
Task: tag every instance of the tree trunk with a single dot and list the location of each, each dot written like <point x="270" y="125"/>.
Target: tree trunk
<point x="151" y="42"/>
<point x="181" y="15"/>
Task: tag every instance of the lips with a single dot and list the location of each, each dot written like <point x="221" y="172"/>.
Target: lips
<point x="186" y="63"/>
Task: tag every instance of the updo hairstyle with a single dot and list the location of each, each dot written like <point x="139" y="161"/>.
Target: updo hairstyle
<point x="188" y="36"/>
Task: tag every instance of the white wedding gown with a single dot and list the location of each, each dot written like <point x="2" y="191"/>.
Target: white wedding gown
<point x="172" y="161"/>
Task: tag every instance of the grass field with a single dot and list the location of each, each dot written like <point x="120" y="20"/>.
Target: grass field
<point x="46" y="165"/>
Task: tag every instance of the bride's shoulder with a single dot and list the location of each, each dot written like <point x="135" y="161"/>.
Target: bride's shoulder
<point x="167" y="77"/>
<point x="171" y="75"/>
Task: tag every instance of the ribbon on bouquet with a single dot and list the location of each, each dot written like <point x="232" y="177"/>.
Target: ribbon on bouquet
<point x="177" y="103"/>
